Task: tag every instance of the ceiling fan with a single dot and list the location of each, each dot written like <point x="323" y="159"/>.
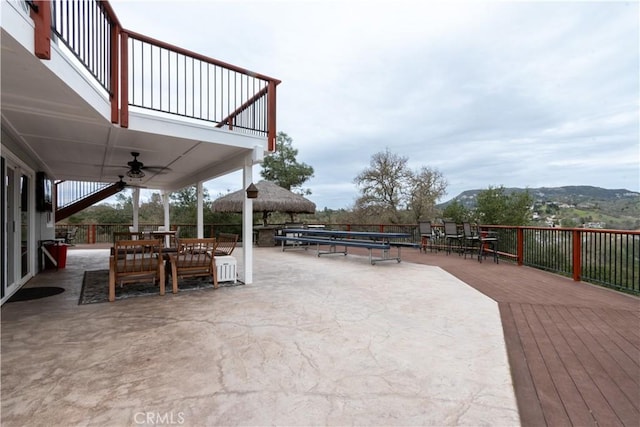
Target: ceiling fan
<point x="137" y="168"/>
<point x="122" y="184"/>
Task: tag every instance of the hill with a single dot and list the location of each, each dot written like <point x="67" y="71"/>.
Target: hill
<point x="571" y="206"/>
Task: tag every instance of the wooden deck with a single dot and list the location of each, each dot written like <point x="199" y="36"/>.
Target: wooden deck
<point x="574" y="348"/>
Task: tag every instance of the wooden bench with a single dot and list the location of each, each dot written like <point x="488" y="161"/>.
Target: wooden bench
<point x="303" y="242"/>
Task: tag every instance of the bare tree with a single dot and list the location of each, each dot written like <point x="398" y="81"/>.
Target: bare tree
<point x="382" y="185"/>
<point x="427" y="186"/>
<point x="391" y="192"/>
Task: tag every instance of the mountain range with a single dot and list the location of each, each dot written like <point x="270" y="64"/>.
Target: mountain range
<point x="574" y="205"/>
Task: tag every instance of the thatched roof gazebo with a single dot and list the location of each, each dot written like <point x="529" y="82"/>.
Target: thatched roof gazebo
<point x="271" y="198"/>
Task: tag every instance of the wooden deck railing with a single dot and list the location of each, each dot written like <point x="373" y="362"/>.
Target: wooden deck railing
<point x="609" y="258"/>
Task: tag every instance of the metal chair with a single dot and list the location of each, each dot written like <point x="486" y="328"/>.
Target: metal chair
<point x="488" y="239"/>
<point x="134" y="261"/>
<point x="426" y="235"/>
<point x="451" y="235"/>
<point x="470" y="239"/>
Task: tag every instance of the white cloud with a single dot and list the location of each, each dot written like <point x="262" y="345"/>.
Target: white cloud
<point x="490" y="93"/>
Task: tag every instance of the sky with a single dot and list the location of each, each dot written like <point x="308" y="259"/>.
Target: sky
<point x="502" y="93"/>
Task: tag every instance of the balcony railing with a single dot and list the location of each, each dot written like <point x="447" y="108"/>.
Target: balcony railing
<point x="136" y="70"/>
<point x="609" y="258"/>
<point x="85" y="28"/>
<point x="69" y="192"/>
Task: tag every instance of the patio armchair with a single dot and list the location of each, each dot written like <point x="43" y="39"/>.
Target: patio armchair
<point x="226" y="244"/>
<point x="451" y="235"/>
<point x="135" y="261"/>
<point x="195" y="258"/>
<point x="70" y="237"/>
<point x="426" y="235"/>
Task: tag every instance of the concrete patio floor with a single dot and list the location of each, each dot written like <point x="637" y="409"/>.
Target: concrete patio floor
<point x="313" y="341"/>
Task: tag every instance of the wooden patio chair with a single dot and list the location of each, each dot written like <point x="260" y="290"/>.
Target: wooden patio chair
<point x="195" y="258"/>
<point x="134" y="261"/>
<point x="226" y="244"/>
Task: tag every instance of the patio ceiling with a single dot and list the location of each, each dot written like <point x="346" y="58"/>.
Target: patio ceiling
<point x="69" y="135"/>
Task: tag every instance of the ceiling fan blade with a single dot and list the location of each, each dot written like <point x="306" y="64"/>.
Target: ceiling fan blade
<point x="156" y="169"/>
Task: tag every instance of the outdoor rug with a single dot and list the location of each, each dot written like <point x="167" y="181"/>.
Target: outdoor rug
<point x="95" y="287"/>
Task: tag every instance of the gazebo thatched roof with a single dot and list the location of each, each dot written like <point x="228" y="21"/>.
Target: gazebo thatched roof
<point x="271" y="198"/>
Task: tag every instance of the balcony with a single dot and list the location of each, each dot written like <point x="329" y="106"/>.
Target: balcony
<point x="81" y="93"/>
<point x="436" y="339"/>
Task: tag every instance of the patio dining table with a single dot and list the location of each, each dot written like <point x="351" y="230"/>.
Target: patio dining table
<point x="166" y="235"/>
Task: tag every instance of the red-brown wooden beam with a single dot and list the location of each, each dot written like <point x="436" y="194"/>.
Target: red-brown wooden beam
<point x="42" y="30"/>
<point x="271" y="116"/>
<point x="577" y="249"/>
<point x="114" y="95"/>
<point x="124" y="79"/>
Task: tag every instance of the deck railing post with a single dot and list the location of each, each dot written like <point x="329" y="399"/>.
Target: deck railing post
<point x="124" y="79"/>
<point x="42" y="30"/>
<point x="577" y="250"/>
<point x="271" y="117"/>
<point x="114" y="95"/>
<point x="91" y="235"/>
<point x="520" y="245"/>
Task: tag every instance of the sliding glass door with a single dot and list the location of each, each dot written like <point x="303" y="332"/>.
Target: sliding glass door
<point x="17" y="241"/>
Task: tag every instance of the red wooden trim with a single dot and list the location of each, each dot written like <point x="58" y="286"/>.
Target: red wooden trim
<point x="520" y="244"/>
<point x="577" y="250"/>
<point x="110" y="13"/>
<point x="124" y="79"/>
<point x="243" y="107"/>
<point x="42" y="30"/>
<point x="91" y="236"/>
<point x="271" y="117"/>
<point x="115" y="29"/>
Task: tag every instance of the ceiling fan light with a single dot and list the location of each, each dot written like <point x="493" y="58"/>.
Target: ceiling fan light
<point x="135" y="174"/>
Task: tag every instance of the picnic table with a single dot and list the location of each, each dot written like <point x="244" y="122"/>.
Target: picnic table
<point x="303" y="238"/>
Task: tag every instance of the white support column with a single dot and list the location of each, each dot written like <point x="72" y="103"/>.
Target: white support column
<point x="166" y="220"/>
<point x="247" y="222"/>
<point x="165" y="205"/>
<point x="135" y="199"/>
<point x="200" y="192"/>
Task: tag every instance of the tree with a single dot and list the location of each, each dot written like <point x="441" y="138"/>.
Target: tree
<point x="494" y="206"/>
<point x="390" y="191"/>
<point x="427" y="186"/>
<point x="383" y="185"/>
<point x="283" y="169"/>
<point x="185" y="205"/>
<point x="455" y="211"/>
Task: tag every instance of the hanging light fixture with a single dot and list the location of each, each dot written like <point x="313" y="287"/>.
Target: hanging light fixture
<point x="252" y="191"/>
<point x="136" y="174"/>
<point x="135" y="167"/>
